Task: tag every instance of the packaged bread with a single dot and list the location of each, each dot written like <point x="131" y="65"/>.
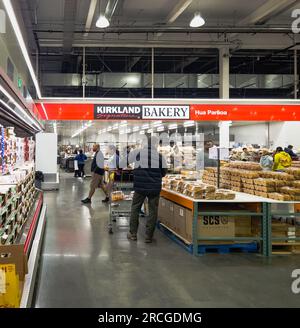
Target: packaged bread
<point x="261" y="194"/>
<point x="277" y="175"/>
<point x="249" y="191"/>
<point x="280" y="197"/>
<point x="265" y="182"/>
<point x="296" y="184"/>
<point x="290" y="190"/>
<point x="293" y="171"/>
<point x="245" y="165"/>
<point x="248" y="186"/>
<point x="265" y="188"/>
<point x="117" y="195"/>
<point x="248" y="181"/>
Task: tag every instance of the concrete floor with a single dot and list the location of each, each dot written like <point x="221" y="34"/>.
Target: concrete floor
<point x="83" y="266"/>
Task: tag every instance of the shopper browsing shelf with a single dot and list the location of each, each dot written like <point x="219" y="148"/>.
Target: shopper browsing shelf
<point x="282" y="160"/>
<point x="97" y="169"/>
<point x="81" y="158"/>
<point x="245" y="156"/>
<point x="289" y="150"/>
<point x="266" y="160"/>
<point x="149" y="169"/>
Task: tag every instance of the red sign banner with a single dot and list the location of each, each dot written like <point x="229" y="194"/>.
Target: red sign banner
<point x="196" y="112"/>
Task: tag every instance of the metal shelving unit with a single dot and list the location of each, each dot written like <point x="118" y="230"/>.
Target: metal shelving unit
<point x="265" y="213"/>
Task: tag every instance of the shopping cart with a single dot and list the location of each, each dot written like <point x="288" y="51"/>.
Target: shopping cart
<point x="120" y="208"/>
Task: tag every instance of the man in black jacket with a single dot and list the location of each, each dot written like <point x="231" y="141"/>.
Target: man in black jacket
<point x="149" y="168"/>
<point x="97" y="169"/>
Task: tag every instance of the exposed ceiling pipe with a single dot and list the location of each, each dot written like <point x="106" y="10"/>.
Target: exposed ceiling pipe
<point x="138" y="44"/>
<point x="111" y="8"/>
<point x="181" y="6"/>
<point x="173" y="29"/>
<point x="90" y="16"/>
<point x="268" y="10"/>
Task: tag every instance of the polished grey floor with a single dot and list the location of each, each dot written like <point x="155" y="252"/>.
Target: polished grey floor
<point x="83" y="266"/>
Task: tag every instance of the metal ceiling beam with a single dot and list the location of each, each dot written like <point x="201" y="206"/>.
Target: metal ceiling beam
<point x="268" y="10"/>
<point x="90" y="16"/>
<point x="111" y="8"/>
<point x="186" y="62"/>
<point x="70" y="11"/>
<point x="181" y="6"/>
<point x="172" y="29"/>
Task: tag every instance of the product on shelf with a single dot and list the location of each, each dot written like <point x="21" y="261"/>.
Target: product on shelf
<point x="196" y="189"/>
<point x="245" y="165"/>
<point x="265" y="184"/>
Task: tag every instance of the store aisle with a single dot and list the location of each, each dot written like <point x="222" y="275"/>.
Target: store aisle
<point x="83" y="266"/>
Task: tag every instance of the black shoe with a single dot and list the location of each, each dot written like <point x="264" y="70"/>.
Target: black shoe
<point x="106" y="200"/>
<point x="86" y="201"/>
<point x="148" y="240"/>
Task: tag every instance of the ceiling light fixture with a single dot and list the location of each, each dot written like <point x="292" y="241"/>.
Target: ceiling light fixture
<point x="160" y="128"/>
<point x="55" y="127"/>
<point x="197" y="20"/>
<point x="172" y="126"/>
<point x="13" y="19"/>
<point x="188" y="124"/>
<point x="102" y="22"/>
<point x="23" y="111"/>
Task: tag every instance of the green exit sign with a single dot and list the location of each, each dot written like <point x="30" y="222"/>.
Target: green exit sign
<point x="20" y="83"/>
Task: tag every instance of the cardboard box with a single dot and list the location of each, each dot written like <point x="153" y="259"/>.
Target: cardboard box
<point x="210" y="226"/>
<point x="243" y="226"/>
<point x="180" y="220"/>
<point x="163" y="210"/>
<point x="170" y="219"/>
<point x="13" y="262"/>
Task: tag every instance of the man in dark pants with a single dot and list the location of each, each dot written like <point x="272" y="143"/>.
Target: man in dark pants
<point x="149" y="168"/>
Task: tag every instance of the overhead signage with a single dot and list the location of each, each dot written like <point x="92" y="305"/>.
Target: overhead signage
<point x="117" y="112"/>
<point x="197" y="112"/>
<point x="166" y="112"/>
<point x="145" y="112"/>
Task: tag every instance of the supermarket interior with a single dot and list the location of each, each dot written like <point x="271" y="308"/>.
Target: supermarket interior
<point x="149" y="154"/>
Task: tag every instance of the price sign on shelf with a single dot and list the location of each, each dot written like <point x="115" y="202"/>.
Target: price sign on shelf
<point x="2" y="282"/>
<point x="224" y="153"/>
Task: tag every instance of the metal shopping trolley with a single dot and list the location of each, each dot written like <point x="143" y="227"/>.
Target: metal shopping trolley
<point x="120" y="203"/>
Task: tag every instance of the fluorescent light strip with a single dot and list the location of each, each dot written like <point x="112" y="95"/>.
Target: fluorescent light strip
<point x="55" y="127"/>
<point x="172" y="126"/>
<point x="188" y="123"/>
<point x="45" y="112"/>
<point x="13" y="19"/>
<point x="19" y="107"/>
<point x="158" y="123"/>
<point x="160" y="128"/>
<point x="145" y="126"/>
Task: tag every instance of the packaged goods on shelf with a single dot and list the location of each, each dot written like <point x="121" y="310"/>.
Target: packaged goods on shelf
<point x="277" y="175"/>
<point x="296" y="184"/>
<point x="280" y="197"/>
<point x="293" y="171"/>
<point x="251" y="166"/>
<point x="290" y="190"/>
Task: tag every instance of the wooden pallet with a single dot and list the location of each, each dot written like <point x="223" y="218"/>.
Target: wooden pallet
<point x="284" y="248"/>
<point x="217" y="247"/>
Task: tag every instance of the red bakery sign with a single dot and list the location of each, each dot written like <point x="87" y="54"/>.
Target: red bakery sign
<point x="196" y="112"/>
